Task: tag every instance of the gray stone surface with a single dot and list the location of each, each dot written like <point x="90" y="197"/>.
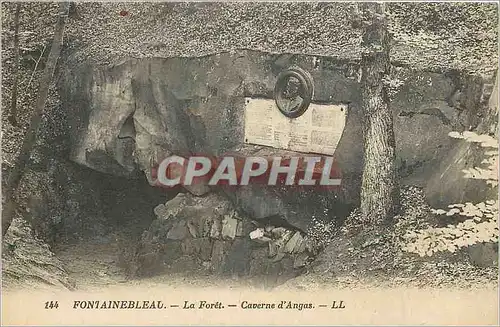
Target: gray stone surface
<point x="161" y="211"/>
<point x="215" y="230"/>
<point x="239" y="229"/>
<point x="238" y="258"/>
<point x="198" y="247"/>
<point x="293" y="243"/>
<point x="484" y="254"/>
<point x="300" y="260"/>
<point x="178" y="232"/>
<point x="464" y="36"/>
<point x="229" y="227"/>
<point x="218" y="257"/>
<point x="196" y="105"/>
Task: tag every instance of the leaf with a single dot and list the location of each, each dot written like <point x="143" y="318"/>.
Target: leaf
<point x="456" y="135"/>
<point x="469" y="135"/>
<point x="481" y="206"/>
<point x="452" y="212"/>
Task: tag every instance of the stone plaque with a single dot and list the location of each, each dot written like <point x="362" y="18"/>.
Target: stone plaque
<point x="318" y="130"/>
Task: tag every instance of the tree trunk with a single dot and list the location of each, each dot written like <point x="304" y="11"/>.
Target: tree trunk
<point x="17" y="172"/>
<point x="492" y="112"/>
<point x="379" y="189"/>
<point x="15" y="72"/>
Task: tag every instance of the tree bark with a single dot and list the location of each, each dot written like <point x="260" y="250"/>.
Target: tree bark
<point x="379" y="189"/>
<point x="492" y="112"/>
<point x="17" y="172"/>
<point x="15" y="73"/>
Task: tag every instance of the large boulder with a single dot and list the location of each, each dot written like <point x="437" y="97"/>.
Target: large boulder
<point x="209" y="231"/>
<point x="128" y="117"/>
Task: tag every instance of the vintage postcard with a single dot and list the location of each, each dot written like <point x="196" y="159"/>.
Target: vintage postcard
<point x="249" y="163"/>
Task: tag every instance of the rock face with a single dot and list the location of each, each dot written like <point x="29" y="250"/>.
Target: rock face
<point x="129" y="117"/>
<point x="463" y="37"/>
<point x="448" y="183"/>
<point x="210" y="232"/>
<point x="484" y="254"/>
<point x="75" y="208"/>
<point x="28" y="260"/>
